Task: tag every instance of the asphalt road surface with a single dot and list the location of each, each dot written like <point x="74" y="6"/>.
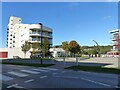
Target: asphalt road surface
<point x="14" y="76"/>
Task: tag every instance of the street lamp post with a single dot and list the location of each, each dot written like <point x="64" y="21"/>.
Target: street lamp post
<point x="98" y="48"/>
<point x="41" y="52"/>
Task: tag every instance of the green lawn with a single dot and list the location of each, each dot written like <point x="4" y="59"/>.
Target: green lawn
<point x="95" y="69"/>
<point x="28" y="64"/>
<point x="84" y="57"/>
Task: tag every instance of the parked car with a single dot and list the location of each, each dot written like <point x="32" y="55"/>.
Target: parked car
<point x="36" y="56"/>
<point x="16" y="57"/>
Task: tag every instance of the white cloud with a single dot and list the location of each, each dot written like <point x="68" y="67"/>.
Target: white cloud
<point x="107" y="17"/>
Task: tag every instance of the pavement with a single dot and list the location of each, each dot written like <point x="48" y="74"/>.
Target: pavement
<point x="27" y="77"/>
<point x="110" y="62"/>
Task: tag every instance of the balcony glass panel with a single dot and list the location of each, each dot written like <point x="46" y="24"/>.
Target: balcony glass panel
<point x="35" y="39"/>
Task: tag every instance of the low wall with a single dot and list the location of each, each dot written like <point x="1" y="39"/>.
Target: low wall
<point x="15" y="52"/>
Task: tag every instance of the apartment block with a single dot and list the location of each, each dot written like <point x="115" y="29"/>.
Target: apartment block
<point x="18" y="33"/>
<point x="115" y="37"/>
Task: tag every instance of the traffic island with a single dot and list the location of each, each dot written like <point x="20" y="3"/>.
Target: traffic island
<point x="95" y="69"/>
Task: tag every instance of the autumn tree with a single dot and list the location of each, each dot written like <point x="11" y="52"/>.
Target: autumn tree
<point x="74" y="47"/>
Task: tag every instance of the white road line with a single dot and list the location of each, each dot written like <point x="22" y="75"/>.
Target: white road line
<point x="29" y="81"/>
<point x="40" y="70"/>
<point x="18" y="86"/>
<point x="12" y="85"/>
<point x="117" y="87"/>
<point x="43" y="76"/>
<point x="50" y="69"/>
<point x="63" y="71"/>
<point x="31" y="72"/>
<point x="71" y="77"/>
<point x="96" y="82"/>
<point x="5" y="78"/>
<point x="18" y="74"/>
<point x="56" y="76"/>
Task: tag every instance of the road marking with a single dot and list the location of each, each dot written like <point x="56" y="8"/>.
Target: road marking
<point x="12" y="85"/>
<point x="63" y="71"/>
<point x="50" y="69"/>
<point x="43" y="76"/>
<point x="29" y="81"/>
<point x="71" y="77"/>
<point x="97" y="82"/>
<point x="31" y="72"/>
<point x="117" y="86"/>
<point x="5" y="78"/>
<point x="40" y="70"/>
<point x="56" y="76"/>
<point x="18" y="86"/>
<point x="18" y="74"/>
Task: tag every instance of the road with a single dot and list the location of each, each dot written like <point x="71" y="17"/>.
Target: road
<point x="14" y="76"/>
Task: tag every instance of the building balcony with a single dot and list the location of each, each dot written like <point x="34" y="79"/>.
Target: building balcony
<point x="38" y="35"/>
<point x="38" y="28"/>
<point x="34" y="34"/>
<point x="35" y="41"/>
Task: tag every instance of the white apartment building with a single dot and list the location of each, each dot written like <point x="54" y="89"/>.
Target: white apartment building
<point x="115" y="38"/>
<point x="116" y="42"/>
<point x="57" y="51"/>
<point x="18" y="33"/>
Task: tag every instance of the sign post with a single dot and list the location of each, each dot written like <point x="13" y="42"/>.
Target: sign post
<point x="77" y="61"/>
<point x="64" y="61"/>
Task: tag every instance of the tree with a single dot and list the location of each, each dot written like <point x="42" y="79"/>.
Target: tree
<point x="35" y="47"/>
<point x="26" y="47"/>
<point x="45" y="46"/>
<point x="74" y="47"/>
<point x="65" y="46"/>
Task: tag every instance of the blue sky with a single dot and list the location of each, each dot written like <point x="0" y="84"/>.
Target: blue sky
<point x="82" y="22"/>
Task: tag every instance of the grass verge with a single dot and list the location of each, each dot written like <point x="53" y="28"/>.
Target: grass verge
<point x="31" y="59"/>
<point x="28" y="64"/>
<point x="95" y="69"/>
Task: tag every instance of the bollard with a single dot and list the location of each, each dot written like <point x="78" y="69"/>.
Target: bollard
<point x="77" y="61"/>
<point x="52" y="60"/>
<point x="64" y="61"/>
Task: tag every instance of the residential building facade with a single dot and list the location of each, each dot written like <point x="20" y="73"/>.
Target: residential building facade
<point x="18" y="33"/>
<point x="116" y="43"/>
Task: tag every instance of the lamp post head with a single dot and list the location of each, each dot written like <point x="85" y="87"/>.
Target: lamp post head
<point x="40" y="23"/>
